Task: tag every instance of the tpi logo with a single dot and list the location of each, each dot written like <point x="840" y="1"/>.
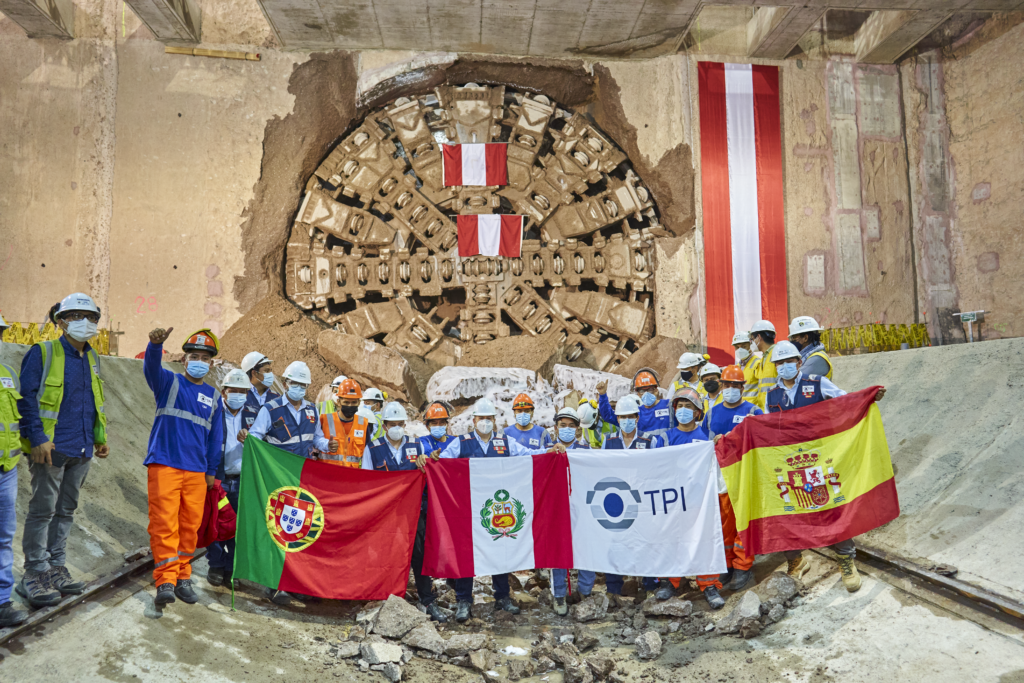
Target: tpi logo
<point x="608" y="507"/>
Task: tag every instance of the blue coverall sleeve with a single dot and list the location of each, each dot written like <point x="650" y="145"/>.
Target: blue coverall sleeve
<point x="157" y="376"/>
<point x="604" y="409"/>
<point x="215" y="441"/>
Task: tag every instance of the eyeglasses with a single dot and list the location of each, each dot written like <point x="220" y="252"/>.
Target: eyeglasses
<point x="81" y="315"/>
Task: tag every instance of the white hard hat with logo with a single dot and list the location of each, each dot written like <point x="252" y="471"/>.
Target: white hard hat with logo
<point x="587" y="414"/>
<point x="802" y="324"/>
<point x="740" y="338"/>
<point x="337" y="381"/>
<point x="394" y="412"/>
<point x="254" y="359"/>
<point x="569" y="413"/>
<point x="298" y="373"/>
<point x="762" y="326"/>
<point x="371" y="395"/>
<point x="236" y="379"/>
<point x="77" y="302"/>
<point x="688" y="360"/>
<point x="484" y="408"/>
<point x="784" y="350"/>
<point x="627" y="405"/>
<point x="710" y="369"/>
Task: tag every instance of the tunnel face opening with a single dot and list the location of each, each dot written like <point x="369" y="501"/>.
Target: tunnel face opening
<point x="373" y="249"/>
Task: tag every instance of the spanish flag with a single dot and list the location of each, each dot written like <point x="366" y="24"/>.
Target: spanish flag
<point x="810" y="477"/>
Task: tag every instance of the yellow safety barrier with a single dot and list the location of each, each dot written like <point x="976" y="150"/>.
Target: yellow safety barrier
<point x="874" y="338"/>
<point x="31" y="333"/>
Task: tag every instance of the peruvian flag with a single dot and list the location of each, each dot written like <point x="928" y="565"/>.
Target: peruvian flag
<point x="475" y="164"/>
<point x="741" y="183"/>
<point x="490" y="235"/>
<point x="496" y="515"/>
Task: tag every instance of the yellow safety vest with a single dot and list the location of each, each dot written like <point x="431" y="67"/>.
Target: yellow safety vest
<point x="767" y="377"/>
<point x="326" y="407"/>
<point x="51" y="391"/>
<point x="696" y="386"/>
<point x="824" y="356"/>
<point x="594" y="438"/>
<point x="750" y="378"/>
<point x="10" y="431"/>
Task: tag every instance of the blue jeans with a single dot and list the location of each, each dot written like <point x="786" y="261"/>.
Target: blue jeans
<point x="613" y="582"/>
<point x="464" y="588"/>
<point x="560" y="582"/>
<point x="8" y="524"/>
<point x="221" y="555"/>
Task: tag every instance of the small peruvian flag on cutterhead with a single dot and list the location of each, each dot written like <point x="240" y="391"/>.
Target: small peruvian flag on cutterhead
<point x="490" y="235"/>
<point x="480" y="164"/>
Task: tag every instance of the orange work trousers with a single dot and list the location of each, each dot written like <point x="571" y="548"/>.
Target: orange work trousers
<point x="176" y="501"/>
<point x="735" y="555"/>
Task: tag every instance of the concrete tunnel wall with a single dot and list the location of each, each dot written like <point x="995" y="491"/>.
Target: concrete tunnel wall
<point x="164" y="184"/>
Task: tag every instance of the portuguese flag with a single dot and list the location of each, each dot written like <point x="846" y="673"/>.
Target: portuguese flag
<point x="810" y="477"/>
<point x="314" y="528"/>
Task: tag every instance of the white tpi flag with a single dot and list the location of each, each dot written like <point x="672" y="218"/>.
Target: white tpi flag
<point x="647" y="513"/>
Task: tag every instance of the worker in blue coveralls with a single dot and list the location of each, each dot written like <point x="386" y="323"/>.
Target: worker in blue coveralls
<point x="653" y="418"/>
<point x="732" y="410"/>
<point x="436" y="420"/>
<point x="524" y="431"/>
<point x="482" y="443"/>
<point x="792" y="390"/>
<point x="567" y="424"/>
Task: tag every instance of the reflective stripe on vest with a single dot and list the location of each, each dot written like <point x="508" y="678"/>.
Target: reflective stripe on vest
<point x="170" y="411"/>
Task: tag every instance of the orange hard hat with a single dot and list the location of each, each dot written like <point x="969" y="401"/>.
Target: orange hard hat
<point x="202" y="340"/>
<point x="437" y="411"/>
<point x="645" y="378"/>
<point x="733" y="373"/>
<point x="349" y="388"/>
<point x="522" y="401"/>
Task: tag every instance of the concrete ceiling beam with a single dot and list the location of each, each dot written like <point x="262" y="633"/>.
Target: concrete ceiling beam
<point x="888" y="34"/>
<point x="171" y="21"/>
<point x="42" y="18"/>
<point x="773" y="32"/>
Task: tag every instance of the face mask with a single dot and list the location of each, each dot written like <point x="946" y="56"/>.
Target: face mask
<point x="268" y="379"/>
<point x="484" y="426"/>
<point x="566" y="434"/>
<point x="711" y="386"/>
<point x="396" y="433"/>
<point x="732" y="395"/>
<point x="296" y="392"/>
<point x="81" y="330"/>
<point x="686" y="375"/>
<point x="649" y="399"/>
<point x="787" y="370"/>
<point x="684" y="416"/>
<point x="235" y="401"/>
<point x="197" y="368"/>
<point x="523" y="419"/>
<point x="349" y="411"/>
<point x="628" y="425"/>
<point x="438" y="432"/>
<point x="742" y="355"/>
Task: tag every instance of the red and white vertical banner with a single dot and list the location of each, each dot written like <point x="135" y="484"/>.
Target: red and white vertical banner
<point x="474" y="164"/>
<point x="490" y="234"/>
<point x="741" y="186"/>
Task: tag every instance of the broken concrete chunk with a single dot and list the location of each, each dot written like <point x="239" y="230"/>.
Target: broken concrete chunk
<point x="673" y="607"/>
<point x="648" y="645"/>
<point x="483" y="660"/>
<point x="519" y="668"/>
<point x="583" y="637"/>
<point x="545" y="663"/>
<point x="639" y="621"/>
<point x="464" y="643"/>
<point x="392" y="672"/>
<point x="579" y="673"/>
<point x="775" y="614"/>
<point x="385" y="368"/>
<point x="592" y="608"/>
<point x="380" y="653"/>
<point x="425" y="637"/>
<point x="567" y="655"/>
<point x="779" y="587"/>
<point x="347" y="649"/>
<point x="749" y="607"/>
<point x="397" y="617"/>
<point x="602" y="667"/>
<point x="369" y="612"/>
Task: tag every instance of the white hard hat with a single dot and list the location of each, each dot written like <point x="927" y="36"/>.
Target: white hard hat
<point x="587" y="415"/>
<point x="709" y="369"/>
<point x="3" y="323"/>
<point x="627" y="405"/>
<point x="762" y="326"/>
<point x="688" y="360"/>
<point x="484" y="408"/>
<point x="298" y="372"/>
<point x="77" y="302"/>
<point x="394" y="412"/>
<point x="784" y="350"/>
<point x="568" y="412"/>
<point x="253" y="359"/>
<point x="365" y="412"/>
<point x="338" y="380"/>
<point x="802" y="324"/>
<point x="235" y="379"/>
<point x="740" y="338"/>
<point x="371" y="395"/>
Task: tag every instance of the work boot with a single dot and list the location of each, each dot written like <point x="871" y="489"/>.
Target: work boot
<point x="740" y="579"/>
<point x="725" y="578"/>
<point x="215" y="577"/>
<point x="278" y="597"/>
<point x="184" y="591"/>
<point x="435" y="613"/>
<point x="164" y="594"/>
<point x="462" y="611"/>
<point x="60" y="579"/>
<point x="561" y="609"/>
<point x="36" y="589"/>
<point x="664" y="592"/>
<point x="9" y="616"/>
<point x="713" y="597"/>
<point x="851" y="578"/>
<point x="506" y="604"/>
<point x="798" y="567"/>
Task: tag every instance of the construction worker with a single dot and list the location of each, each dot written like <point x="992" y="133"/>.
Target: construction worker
<point x="350" y="430"/>
<point x="525" y="432"/>
<point x="567" y="424"/>
<point x="747" y="361"/>
<point x="594" y="428"/>
<point x="805" y="333"/>
<point x="374" y="399"/>
<point x="762" y="335"/>
<point x="182" y="458"/>
<point x="290" y="422"/>
<point x="689" y="366"/>
<point x="436" y="419"/>
<point x="233" y="392"/>
<point x="653" y="412"/>
<point x="62" y="425"/>
<point x="797" y="390"/>
<point x="327" y="407"/>
<point x="260" y="371"/>
<point x="732" y="409"/>
<point x="711" y="381"/>
<point x="394" y="452"/>
<point x="482" y="443"/>
<point x="10" y="453"/>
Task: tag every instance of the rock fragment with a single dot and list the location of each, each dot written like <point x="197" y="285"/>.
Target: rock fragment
<point x="648" y="645"/>
<point x="397" y="617"/>
<point x="380" y="653"/>
<point x="425" y="637"/>
<point x="673" y="607"/>
<point x="748" y="609"/>
<point x="602" y="667"/>
<point x="592" y="608"/>
<point x="464" y="643"/>
<point x="584" y="638"/>
<point x="347" y="649"/>
<point x="392" y="672"/>
<point x="519" y="668"/>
